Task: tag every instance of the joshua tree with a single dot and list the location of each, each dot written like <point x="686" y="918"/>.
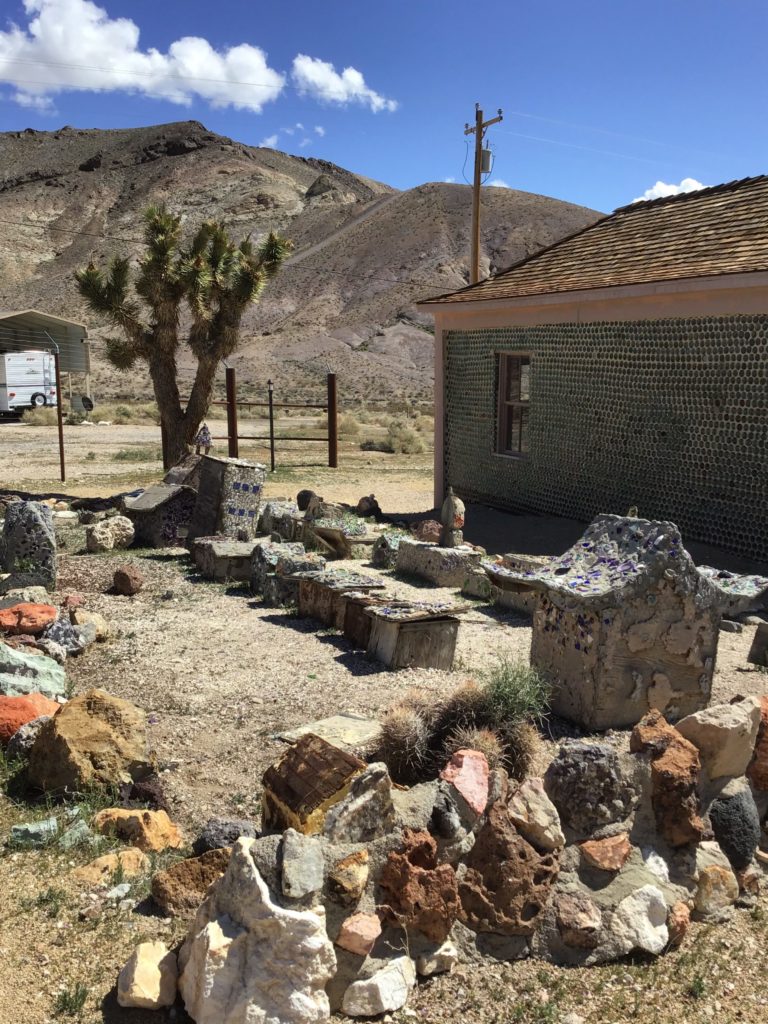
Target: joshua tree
<point x="214" y="276"/>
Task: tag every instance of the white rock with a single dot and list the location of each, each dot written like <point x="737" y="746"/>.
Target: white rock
<point x="148" y="980"/>
<point x="441" y="960"/>
<point x="386" y="991"/>
<point x="535" y="816"/>
<point x="248" y="961"/>
<point x="640" y="922"/>
<point x="655" y="863"/>
<point x="115" y="532"/>
<point x="724" y="735"/>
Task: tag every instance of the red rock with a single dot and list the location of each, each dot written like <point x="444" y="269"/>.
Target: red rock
<point x="609" y="854"/>
<point x="678" y="923"/>
<point x="27" y="618"/>
<point x="128" y="580"/>
<point x="675" y="768"/>
<point x="73" y="601"/>
<point x="758" y="769"/>
<point x="17" y="711"/>
<point x="419" y="893"/>
<point x="358" y="933"/>
<point x="428" y="530"/>
<point x="467" y="771"/>
<point x="507" y="883"/>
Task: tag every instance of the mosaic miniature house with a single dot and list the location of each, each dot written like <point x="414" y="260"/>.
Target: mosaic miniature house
<point x="228" y="498"/>
<point x="161" y="515"/>
<point x="624" y="623"/>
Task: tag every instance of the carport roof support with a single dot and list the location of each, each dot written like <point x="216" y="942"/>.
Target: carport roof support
<point x="27" y="329"/>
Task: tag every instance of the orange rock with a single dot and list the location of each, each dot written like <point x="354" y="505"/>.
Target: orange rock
<point x="609" y="854"/>
<point x="678" y="923"/>
<point x="358" y="933"/>
<point x="27" y="618"/>
<point x="148" y="830"/>
<point x="131" y="862"/>
<point x="17" y="711"/>
<point x="758" y="769"/>
<point x="675" y="768"/>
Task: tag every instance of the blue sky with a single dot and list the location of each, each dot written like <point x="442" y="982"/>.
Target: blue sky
<point x="601" y="99"/>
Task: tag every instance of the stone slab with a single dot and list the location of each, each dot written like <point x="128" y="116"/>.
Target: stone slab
<point x="444" y="567"/>
<point x="346" y="730"/>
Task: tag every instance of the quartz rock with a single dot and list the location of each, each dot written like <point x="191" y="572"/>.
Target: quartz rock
<point x="247" y="960"/>
<point x="724" y="735"/>
<point x="148" y="980"/>
<point x="385" y="992"/>
<point x="535" y="816"/>
<point x="640" y="922"/>
<point x="438" y="961"/>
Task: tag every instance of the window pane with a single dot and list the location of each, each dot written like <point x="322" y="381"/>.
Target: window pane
<point x="525" y="380"/>
<point x="512" y="440"/>
<point x="523" y="430"/>
<point x="513" y="378"/>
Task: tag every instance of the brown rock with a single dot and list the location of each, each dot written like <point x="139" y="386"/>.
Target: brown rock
<point x="428" y="530"/>
<point x="675" y="768"/>
<point x="181" y="889"/>
<point x="609" y="854"/>
<point x="758" y="769"/>
<point x="73" y="601"/>
<point x="131" y="862"/>
<point x="127" y="580"/>
<point x="27" y="618"/>
<point x="678" y="923"/>
<point x="750" y="879"/>
<point x="96" y="739"/>
<point x="81" y="617"/>
<point x="579" y="920"/>
<point x="149" y="830"/>
<point x="507" y="883"/>
<point x="717" y="890"/>
<point x="418" y="893"/>
<point x="348" y="877"/>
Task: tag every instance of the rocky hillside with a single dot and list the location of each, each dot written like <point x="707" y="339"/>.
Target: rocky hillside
<point x="365" y="253"/>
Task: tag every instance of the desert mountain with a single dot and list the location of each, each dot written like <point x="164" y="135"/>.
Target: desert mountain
<point x="364" y="254"/>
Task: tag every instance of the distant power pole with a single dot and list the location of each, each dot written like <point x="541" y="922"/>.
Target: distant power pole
<point x="479" y="132"/>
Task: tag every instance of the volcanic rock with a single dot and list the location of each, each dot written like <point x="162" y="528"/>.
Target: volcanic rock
<point x="220" y="832"/>
<point x="588" y="787"/>
<point x="420" y="894"/>
<point x="127" y="580"/>
<point x="507" y="882"/>
<point x="736" y="824"/>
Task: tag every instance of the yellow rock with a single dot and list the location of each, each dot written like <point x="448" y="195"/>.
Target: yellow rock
<point x="148" y="980"/>
<point x="131" y="862"/>
<point x="149" y="830"/>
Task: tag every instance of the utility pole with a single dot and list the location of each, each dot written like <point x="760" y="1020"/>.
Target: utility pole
<point x="479" y="133"/>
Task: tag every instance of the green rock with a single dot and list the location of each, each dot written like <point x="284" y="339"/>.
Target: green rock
<point x="22" y="673"/>
<point x="34" y="833"/>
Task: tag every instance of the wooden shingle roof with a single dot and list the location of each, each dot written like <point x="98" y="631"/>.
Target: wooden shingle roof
<point x="715" y="231"/>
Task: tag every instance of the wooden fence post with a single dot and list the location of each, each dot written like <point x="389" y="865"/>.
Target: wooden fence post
<point x="232" y="412"/>
<point x="271" y="391"/>
<point x="333" y="422"/>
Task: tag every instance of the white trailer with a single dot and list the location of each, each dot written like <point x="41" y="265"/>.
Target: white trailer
<point x="27" y="381"/>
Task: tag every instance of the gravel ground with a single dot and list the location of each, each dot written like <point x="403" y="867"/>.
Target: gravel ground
<point x="219" y="674"/>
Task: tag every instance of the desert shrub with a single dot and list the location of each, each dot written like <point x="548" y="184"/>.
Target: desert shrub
<point x="45" y="417"/>
<point x="515" y="692"/>
<point x="421" y="732"/>
<point x="371" y="445"/>
<point x="425" y="425"/>
<point x="349" y="426"/>
<point x="521" y="743"/>
<point x="138" y="455"/>
<point x="74" y="419"/>
<point x="403" y="438"/>
<point x="487" y="741"/>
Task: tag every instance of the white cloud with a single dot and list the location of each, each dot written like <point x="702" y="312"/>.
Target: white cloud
<point x="318" y="78"/>
<point x="661" y="189"/>
<point x="304" y="142"/>
<point x="75" y="45"/>
<point x="449" y="181"/>
<point x="270" y="142"/>
<point x="319" y="130"/>
<point x="498" y="183"/>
